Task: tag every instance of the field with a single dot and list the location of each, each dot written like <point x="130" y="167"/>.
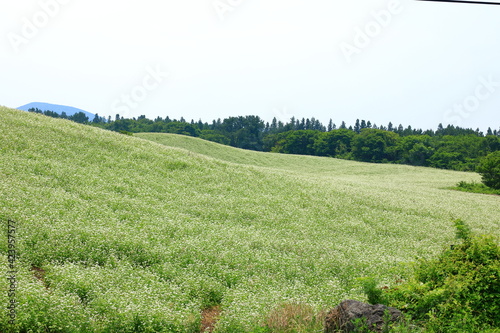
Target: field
<point x="141" y="233"/>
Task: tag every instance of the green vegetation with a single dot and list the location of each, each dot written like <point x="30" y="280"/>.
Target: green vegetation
<point x="475" y="187"/>
<point x="451" y="148"/>
<point x="489" y="168"/>
<point x="457" y="292"/>
<point x="121" y="234"/>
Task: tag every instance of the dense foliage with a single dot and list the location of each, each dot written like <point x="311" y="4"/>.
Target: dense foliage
<point x="489" y="168"/>
<point x="452" y="147"/>
<point x="475" y="187"/>
<point x="457" y="292"/>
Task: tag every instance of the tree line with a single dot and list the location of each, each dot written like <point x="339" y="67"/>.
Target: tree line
<point x="449" y="147"/>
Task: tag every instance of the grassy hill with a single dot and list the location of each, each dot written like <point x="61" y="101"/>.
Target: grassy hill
<point x="140" y="234"/>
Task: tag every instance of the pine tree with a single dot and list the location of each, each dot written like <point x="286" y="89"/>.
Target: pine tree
<point x="440" y="129"/>
<point x="400" y="129"/>
<point x="330" y="125"/>
<point x="302" y="124"/>
<point x="357" y="127"/>
<point x="96" y="119"/>
<point x="274" y="124"/>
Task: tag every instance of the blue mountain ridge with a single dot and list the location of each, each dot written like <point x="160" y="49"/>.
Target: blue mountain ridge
<point x="55" y="108"/>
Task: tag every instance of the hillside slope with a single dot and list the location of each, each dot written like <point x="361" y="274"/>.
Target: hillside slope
<point x="118" y="233"/>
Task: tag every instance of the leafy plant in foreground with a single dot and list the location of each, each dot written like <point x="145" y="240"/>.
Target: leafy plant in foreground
<point x="374" y="294"/>
<point x="457" y="292"/>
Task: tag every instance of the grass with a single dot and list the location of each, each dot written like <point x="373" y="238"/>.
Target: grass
<point x="142" y="233"/>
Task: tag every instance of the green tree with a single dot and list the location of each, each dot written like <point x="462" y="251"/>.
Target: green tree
<point x="336" y="143"/>
<point x="374" y="145"/>
<point x="491" y="143"/>
<point x="214" y="136"/>
<point x="415" y="150"/>
<point x="296" y="142"/>
<point x="419" y="154"/>
<point x="243" y="132"/>
<point x="458" y="152"/>
<point x="79" y="117"/>
<point x="97" y="119"/>
<point x="446" y="160"/>
<point x="331" y="125"/>
<point x="183" y="128"/>
<point x="51" y="114"/>
<point x="489" y="168"/>
<point x="357" y="126"/>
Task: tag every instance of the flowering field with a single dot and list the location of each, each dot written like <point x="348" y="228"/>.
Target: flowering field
<point x="140" y="234"/>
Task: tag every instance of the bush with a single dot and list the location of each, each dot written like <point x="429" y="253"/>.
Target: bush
<point x="457" y="292"/>
<point x="474" y="187"/>
<point x="374" y="294"/>
<point x="489" y="168"/>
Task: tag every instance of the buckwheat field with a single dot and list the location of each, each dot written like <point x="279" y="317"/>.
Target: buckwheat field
<point x="141" y="233"/>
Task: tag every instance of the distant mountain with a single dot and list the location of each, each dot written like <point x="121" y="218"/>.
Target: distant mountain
<point x="56" y="108"/>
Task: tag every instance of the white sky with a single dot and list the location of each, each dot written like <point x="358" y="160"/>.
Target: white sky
<point x="272" y="58"/>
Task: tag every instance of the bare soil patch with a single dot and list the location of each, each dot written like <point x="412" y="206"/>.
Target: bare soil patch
<point x="209" y="318"/>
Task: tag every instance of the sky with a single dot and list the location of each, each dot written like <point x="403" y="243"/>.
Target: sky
<point x="417" y="63"/>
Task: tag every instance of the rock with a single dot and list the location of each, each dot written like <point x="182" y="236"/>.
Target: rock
<point x="343" y="316"/>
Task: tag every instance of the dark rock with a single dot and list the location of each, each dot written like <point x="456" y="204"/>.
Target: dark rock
<point x="343" y="317"/>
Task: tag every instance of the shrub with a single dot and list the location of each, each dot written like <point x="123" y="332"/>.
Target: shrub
<point x="489" y="168"/>
<point x="474" y="187"/>
<point x="457" y="292"/>
<point x="374" y="294"/>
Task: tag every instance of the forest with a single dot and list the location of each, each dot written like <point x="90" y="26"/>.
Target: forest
<point x="449" y="147"/>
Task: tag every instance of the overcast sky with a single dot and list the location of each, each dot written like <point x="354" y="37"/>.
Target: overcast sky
<point x="411" y="62"/>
